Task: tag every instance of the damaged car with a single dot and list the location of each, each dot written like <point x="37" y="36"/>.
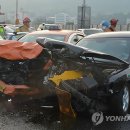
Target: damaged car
<point x="94" y="81"/>
<point x="82" y="80"/>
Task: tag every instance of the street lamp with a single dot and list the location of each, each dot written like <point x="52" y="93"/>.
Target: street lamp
<point x="17" y="20"/>
<point x="84" y="2"/>
<point x="16" y="9"/>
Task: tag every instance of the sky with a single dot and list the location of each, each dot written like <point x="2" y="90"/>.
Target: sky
<point x="51" y="7"/>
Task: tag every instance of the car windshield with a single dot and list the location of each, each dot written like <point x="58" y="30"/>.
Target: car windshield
<point x="16" y="37"/>
<point x="118" y="47"/>
<point x="33" y="37"/>
<point x="52" y="27"/>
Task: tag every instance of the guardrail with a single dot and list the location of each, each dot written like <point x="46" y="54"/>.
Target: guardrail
<point x="118" y="27"/>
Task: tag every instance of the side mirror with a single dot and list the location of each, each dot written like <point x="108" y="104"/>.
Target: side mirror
<point x="41" y="40"/>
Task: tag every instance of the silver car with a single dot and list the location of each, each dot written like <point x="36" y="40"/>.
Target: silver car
<point x="90" y="31"/>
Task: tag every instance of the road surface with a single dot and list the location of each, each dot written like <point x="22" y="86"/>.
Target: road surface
<point x="33" y="121"/>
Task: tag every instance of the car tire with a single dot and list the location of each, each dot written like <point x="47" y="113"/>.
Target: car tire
<point x="120" y="102"/>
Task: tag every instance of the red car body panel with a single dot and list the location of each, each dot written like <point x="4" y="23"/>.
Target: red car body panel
<point x="14" y="50"/>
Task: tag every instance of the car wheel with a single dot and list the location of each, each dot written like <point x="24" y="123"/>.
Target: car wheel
<point x="120" y="102"/>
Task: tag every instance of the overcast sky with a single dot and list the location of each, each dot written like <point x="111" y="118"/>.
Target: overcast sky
<point x="51" y="7"/>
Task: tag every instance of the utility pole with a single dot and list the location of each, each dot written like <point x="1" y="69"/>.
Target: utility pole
<point x="84" y="2"/>
<point x="22" y="13"/>
<point x="1" y="11"/>
<point x="2" y="14"/>
<point x="83" y="14"/>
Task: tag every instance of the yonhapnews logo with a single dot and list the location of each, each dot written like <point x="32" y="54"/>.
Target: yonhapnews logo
<point x="98" y="118"/>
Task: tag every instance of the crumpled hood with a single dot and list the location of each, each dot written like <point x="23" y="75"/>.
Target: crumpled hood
<point x="74" y="51"/>
<point x="15" y="50"/>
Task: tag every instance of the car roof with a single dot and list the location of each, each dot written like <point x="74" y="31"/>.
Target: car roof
<point x="58" y="32"/>
<point x="110" y="34"/>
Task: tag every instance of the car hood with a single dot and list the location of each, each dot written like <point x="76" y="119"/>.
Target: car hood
<point x="74" y="51"/>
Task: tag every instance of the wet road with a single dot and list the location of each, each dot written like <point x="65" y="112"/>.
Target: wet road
<point x="23" y="121"/>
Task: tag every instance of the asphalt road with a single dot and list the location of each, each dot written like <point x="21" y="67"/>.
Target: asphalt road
<point x="33" y="121"/>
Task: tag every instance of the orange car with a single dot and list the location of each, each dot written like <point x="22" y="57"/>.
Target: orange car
<point x="69" y="36"/>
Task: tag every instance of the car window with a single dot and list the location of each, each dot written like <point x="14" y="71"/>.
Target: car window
<point x="32" y="38"/>
<point x="13" y="38"/>
<point x="16" y="37"/>
<point x="88" y="32"/>
<point x="52" y="27"/>
<point x="56" y="37"/>
<point x="28" y="38"/>
<point x="117" y="47"/>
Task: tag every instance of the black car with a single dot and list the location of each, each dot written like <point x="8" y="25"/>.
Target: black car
<point x="95" y="80"/>
<point x="116" y="44"/>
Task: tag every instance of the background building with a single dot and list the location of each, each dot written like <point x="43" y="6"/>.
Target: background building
<point x="62" y="18"/>
<point x="50" y="20"/>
